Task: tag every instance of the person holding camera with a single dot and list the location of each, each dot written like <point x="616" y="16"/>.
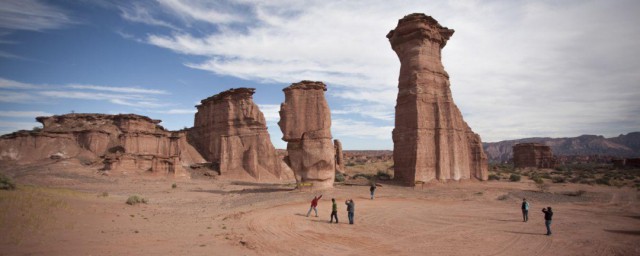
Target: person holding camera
<point x="350" y="209"/>
<point x="548" y="215"/>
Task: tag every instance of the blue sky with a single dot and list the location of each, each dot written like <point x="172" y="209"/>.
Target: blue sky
<point x="518" y="68"/>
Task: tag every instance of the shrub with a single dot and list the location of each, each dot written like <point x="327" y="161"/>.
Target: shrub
<point x="103" y="194"/>
<point x="349" y="164"/>
<point x="494" y="177"/>
<point x="366" y="176"/>
<point x="603" y="181"/>
<point x="503" y="197"/>
<point x="576" y="193"/>
<point x="339" y="177"/>
<point x="174" y="185"/>
<point x="6" y="183"/>
<point x="558" y="179"/>
<point x="542" y="186"/>
<point x="383" y="175"/>
<point x="514" y="177"/>
<point x="135" y="199"/>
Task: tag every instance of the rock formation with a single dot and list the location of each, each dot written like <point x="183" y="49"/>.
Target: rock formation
<point x="123" y="143"/>
<point x="533" y="155"/>
<point x="339" y="157"/>
<point x="431" y="140"/>
<point x="230" y="131"/>
<point x="305" y="122"/>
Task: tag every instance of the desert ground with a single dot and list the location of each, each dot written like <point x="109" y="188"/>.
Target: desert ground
<point x="60" y="208"/>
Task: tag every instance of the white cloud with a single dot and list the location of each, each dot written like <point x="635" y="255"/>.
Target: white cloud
<point x="179" y="111"/>
<point x="117" y="89"/>
<point x="142" y="14"/>
<point x="359" y="129"/>
<point x="215" y="12"/>
<point x="17" y="97"/>
<point x="271" y="112"/>
<point x="31" y="15"/>
<point x="10" y="84"/>
<point x="10" y="113"/>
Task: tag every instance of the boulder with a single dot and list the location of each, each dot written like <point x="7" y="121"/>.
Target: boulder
<point x="431" y="139"/>
<point x="305" y="121"/>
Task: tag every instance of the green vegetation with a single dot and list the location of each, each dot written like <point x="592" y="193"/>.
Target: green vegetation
<point x="339" y="177"/>
<point x="174" y="185"/>
<point x="494" y="177"/>
<point x="6" y="183"/>
<point x="514" y="177"/>
<point x="135" y="199"/>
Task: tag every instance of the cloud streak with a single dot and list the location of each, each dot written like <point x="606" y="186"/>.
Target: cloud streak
<point x="31" y="15"/>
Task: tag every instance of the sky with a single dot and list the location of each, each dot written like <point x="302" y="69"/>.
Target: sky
<point x="517" y="68"/>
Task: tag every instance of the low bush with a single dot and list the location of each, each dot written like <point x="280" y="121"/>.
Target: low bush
<point x="514" y="177"/>
<point x="174" y="185"/>
<point x="366" y="176"/>
<point x="135" y="199"/>
<point x="603" y="181"/>
<point x="103" y="194"/>
<point x="503" y="197"/>
<point x="339" y="177"/>
<point x="558" y="179"/>
<point x="383" y="175"/>
<point x="6" y="183"/>
<point x="494" y="177"/>
<point x="576" y="193"/>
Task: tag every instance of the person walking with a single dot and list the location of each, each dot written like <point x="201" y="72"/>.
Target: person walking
<point x="525" y="210"/>
<point x="334" y="210"/>
<point x="314" y="204"/>
<point x="350" y="209"/>
<point x="372" y="189"/>
<point x="548" y="215"/>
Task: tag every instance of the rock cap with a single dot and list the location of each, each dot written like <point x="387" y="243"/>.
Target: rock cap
<point x="306" y="85"/>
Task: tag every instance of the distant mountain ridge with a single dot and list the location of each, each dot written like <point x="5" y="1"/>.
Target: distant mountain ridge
<point x="622" y="146"/>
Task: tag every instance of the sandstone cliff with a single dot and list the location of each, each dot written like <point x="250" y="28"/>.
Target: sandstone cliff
<point x="305" y="121"/>
<point x="431" y="139"/>
<point x="231" y="132"/>
<point x="339" y="157"/>
<point x="123" y="143"/>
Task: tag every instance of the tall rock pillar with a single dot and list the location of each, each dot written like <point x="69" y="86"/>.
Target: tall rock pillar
<point x="431" y="140"/>
<point x="305" y="122"/>
<point x="231" y="131"/>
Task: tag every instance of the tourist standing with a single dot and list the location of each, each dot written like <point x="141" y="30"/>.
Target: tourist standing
<point x="525" y="210"/>
<point x="314" y="204"/>
<point x="334" y="210"/>
<point x="548" y="215"/>
<point x="350" y="209"/>
<point x="372" y="189"/>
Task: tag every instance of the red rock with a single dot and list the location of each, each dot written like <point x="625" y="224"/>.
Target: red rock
<point x="124" y="143"/>
<point x="533" y="155"/>
<point x="339" y="156"/>
<point x="431" y="139"/>
<point x="305" y="122"/>
<point x="230" y="131"/>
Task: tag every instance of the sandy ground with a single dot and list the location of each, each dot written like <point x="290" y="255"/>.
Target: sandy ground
<point x="69" y="214"/>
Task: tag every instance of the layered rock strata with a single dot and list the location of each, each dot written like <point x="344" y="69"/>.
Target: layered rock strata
<point x="533" y="155"/>
<point x="339" y="157"/>
<point x="305" y="121"/>
<point x="230" y="131"/>
<point x="123" y="143"/>
<point x="431" y="139"/>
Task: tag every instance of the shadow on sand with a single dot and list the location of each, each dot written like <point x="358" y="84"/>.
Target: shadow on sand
<point x="242" y="191"/>
<point x="525" y="233"/>
<point x="626" y="232"/>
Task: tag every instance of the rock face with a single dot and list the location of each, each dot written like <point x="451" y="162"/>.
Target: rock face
<point x="230" y="131"/>
<point x="431" y="140"/>
<point x="305" y="122"/>
<point x="339" y="157"/>
<point x="123" y="143"/>
<point x="533" y="155"/>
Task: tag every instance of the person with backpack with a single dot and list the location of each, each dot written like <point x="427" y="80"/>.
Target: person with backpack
<point x="525" y="210"/>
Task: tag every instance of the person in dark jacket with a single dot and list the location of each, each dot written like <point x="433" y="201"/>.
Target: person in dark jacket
<point x="372" y="189"/>
<point x="334" y="210"/>
<point x="350" y="209"/>
<point x="525" y="210"/>
<point x="548" y="215"/>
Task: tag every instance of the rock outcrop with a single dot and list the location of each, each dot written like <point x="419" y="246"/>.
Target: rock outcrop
<point x="305" y="122"/>
<point x="230" y="131"/>
<point x="533" y="155"/>
<point x="431" y="140"/>
<point x="123" y="143"/>
<point x="339" y="156"/>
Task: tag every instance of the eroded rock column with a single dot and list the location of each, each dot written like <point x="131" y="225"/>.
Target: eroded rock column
<point x="431" y="140"/>
<point x="339" y="157"/>
<point x="231" y="131"/>
<point x="305" y="122"/>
